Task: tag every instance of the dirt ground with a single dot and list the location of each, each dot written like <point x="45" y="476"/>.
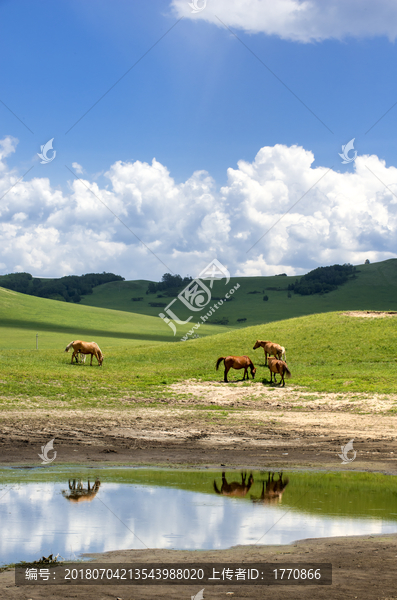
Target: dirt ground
<point x="270" y="429"/>
<point x="257" y="427"/>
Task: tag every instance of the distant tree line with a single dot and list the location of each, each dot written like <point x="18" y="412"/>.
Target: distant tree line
<point x="168" y="282"/>
<point x="68" y="289"/>
<point x="323" y="280"/>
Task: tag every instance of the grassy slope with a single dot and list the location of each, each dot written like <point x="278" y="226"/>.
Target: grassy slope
<point x="326" y="352"/>
<point x="374" y="289"/>
<point x="58" y="323"/>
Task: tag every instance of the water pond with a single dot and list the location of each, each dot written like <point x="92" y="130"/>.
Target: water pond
<point x="71" y="511"/>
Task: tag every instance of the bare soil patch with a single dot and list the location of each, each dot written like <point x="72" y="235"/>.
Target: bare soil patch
<point x="370" y="313"/>
<point x="212" y="424"/>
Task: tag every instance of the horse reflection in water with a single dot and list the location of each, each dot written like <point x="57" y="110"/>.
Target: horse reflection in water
<point x="234" y="488"/>
<point x="274" y="489"/>
<point x="77" y="492"/>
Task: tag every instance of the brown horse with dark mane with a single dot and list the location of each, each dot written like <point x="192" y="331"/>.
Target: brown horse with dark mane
<point x="236" y="362"/>
<point x="234" y="488"/>
<point x="270" y="348"/>
<point x="80" y="347"/>
<point x="279" y="367"/>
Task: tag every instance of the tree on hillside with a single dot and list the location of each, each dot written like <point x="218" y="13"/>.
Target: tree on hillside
<point x="168" y="282"/>
<point x="69" y="288"/>
<point x="323" y="279"/>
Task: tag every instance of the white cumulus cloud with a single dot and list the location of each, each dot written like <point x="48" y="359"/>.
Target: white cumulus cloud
<point x="300" y="20"/>
<point x="276" y="214"/>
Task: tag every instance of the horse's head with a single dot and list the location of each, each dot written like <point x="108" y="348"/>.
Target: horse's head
<point x="257" y="345"/>
<point x="100" y="361"/>
<point x="253" y="371"/>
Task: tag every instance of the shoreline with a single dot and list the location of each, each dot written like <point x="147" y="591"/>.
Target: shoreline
<point x="362" y="567"/>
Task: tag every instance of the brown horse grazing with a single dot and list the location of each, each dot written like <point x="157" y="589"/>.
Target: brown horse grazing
<point x="271" y="349"/>
<point x="280" y="367"/>
<point x="80" y="347"/>
<point x="79" y="494"/>
<point x="274" y="490"/>
<point x="236" y="362"/>
<point x="234" y="488"/>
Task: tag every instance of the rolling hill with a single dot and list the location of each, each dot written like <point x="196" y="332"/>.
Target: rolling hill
<point x="374" y="288"/>
<point x="57" y="323"/>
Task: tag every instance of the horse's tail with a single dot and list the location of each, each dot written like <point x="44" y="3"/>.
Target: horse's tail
<point x="68" y="346"/>
<point x="218" y="362"/>
<point x="284" y="356"/>
<point x="287" y="372"/>
<point x="216" y="488"/>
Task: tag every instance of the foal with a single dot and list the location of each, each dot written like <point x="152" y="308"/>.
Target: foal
<point x="280" y="367"/>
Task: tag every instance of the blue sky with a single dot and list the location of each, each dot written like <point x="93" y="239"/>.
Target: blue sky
<point x="199" y="102"/>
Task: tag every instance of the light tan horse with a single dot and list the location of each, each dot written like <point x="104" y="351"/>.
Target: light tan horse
<point x="271" y="349"/>
<point x="85" y="348"/>
<point x="236" y="362"/>
<point x="274" y="490"/>
<point x="279" y="367"/>
<point x="234" y="488"/>
<point x="78" y="493"/>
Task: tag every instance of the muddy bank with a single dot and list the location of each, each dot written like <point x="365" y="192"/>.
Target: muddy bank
<point x="212" y="424"/>
<point x="363" y="568"/>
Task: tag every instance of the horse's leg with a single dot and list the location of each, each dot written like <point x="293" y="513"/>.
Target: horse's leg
<point x="263" y="490"/>
<point x="73" y="356"/>
<point x="265" y="358"/>
<point x="225" y="375"/>
<point x="91" y="360"/>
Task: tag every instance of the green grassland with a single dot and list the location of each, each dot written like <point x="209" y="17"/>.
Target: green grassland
<point x="58" y="323"/>
<point x="375" y="288"/>
<point x="325" y="352"/>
